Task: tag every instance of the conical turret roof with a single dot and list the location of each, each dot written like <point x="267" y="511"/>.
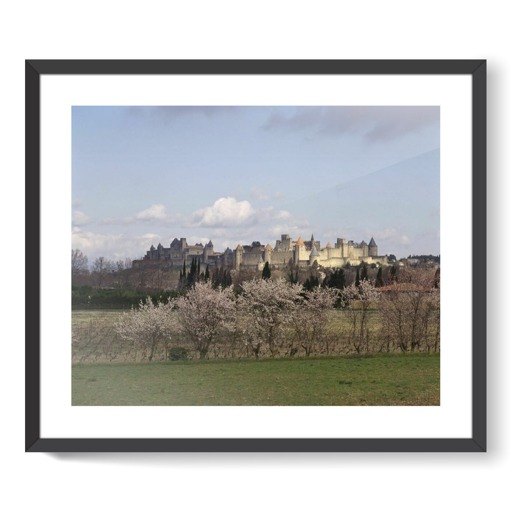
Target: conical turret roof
<point x="300" y="242"/>
<point x="372" y="243"/>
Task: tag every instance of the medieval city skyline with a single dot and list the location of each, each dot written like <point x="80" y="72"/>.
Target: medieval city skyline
<point x="145" y="175"/>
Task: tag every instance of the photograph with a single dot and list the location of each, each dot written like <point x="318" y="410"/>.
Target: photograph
<point x="251" y="255"/>
<point x="256" y="256"/>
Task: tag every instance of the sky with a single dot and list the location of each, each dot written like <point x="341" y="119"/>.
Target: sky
<point x="238" y="174"/>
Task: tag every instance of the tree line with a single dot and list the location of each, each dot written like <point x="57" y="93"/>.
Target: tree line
<point x="276" y="318"/>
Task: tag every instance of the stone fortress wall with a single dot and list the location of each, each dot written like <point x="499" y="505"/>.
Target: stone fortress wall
<point x="285" y="251"/>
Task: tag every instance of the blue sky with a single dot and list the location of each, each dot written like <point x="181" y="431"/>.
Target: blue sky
<point x="145" y="175"/>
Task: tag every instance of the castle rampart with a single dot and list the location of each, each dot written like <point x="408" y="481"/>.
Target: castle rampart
<point x="297" y="252"/>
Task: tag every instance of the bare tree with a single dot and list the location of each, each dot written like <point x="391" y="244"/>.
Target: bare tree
<point x="410" y="311"/>
<point x="101" y="268"/>
<point x="79" y="262"/>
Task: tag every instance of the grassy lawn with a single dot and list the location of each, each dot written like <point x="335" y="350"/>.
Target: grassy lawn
<point x="394" y="379"/>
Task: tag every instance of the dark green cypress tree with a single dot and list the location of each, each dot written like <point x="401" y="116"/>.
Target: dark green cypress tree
<point x="339" y="279"/>
<point x="207" y="273"/>
<point x="191" y="278"/>
<point x="364" y="271"/>
<point x="311" y="283"/>
<point x="266" y="271"/>
<point x="358" y="280"/>
<point x="293" y="277"/>
<point x="393" y="274"/>
<point x="379" y="281"/>
<point x="183" y="276"/>
<point x="226" y="280"/>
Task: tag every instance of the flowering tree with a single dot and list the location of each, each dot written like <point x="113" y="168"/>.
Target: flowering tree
<point x="148" y="325"/>
<point x="204" y="312"/>
<point x="311" y="326"/>
<point x="267" y="305"/>
<point x="357" y="299"/>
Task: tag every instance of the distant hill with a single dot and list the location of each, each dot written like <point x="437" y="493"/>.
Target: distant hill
<point x="398" y="205"/>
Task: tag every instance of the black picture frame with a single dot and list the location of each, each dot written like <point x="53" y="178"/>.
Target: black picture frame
<point x="34" y="69"/>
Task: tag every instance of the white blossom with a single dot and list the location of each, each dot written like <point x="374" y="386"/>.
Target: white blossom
<point x="268" y="305"/>
<point x="204" y="312"/>
<point x="148" y="325"/>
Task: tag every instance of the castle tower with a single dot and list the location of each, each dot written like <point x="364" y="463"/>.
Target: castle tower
<point x="299" y="252"/>
<point x="207" y="251"/>
<point x="364" y="247"/>
<point x="341" y="243"/>
<point x="238" y="256"/>
<point x="373" y="250"/>
<point x="314" y="243"/>
<point x="314" y="255"/>
<point x="268" y="254"/>
<point x="328" y="247"/>
<point x="227" y="258"/>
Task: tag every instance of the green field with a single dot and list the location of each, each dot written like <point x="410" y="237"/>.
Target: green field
<point x="383" y="379"/>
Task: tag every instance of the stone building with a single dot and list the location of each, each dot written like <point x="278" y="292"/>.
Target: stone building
<point x="253" y="257"/>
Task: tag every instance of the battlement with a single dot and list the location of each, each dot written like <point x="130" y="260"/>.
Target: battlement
<point x="254" y="256"/>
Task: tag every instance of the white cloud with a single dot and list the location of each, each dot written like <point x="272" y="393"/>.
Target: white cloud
<point x="226" y="211"/>
<point x="226" y="222"/>
<point x="79" y="218"/>
<point x="114" y="247"/>
<point x="154" y="212"/>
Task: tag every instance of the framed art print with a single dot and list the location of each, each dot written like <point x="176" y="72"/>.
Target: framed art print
<point x="256" y="253"/>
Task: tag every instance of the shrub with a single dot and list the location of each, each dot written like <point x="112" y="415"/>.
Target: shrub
<point x="179" y="354"/>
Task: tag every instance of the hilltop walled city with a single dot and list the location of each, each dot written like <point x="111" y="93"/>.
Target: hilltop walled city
<point x="300" y="253"/>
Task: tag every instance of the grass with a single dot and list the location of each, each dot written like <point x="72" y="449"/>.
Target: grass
<point x="82" y="317"/>
<point x="394" y="379"/>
